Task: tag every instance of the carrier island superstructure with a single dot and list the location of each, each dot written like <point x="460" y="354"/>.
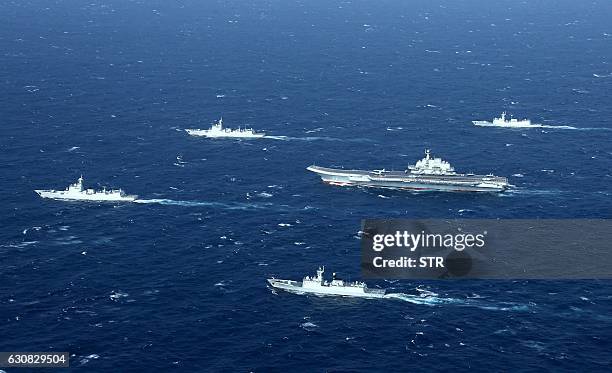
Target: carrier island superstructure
<point x="428" y="174"/>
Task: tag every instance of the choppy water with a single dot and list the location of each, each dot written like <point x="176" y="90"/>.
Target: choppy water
<point x="177" y="281"/>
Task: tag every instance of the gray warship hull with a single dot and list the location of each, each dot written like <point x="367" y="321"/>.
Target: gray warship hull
<point x="297" y="287"/>
<point x="410" y="181"/>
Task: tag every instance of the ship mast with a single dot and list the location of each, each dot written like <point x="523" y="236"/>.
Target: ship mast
<point x="320" y="273"/>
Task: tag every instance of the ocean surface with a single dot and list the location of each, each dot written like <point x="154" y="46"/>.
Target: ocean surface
<point x="177" y="282"/>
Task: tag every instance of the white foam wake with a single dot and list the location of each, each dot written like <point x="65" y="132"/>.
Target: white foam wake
<point x="226" y="206"/>
<point x="429" y="300"/>
<point x="315" y="138"/>
<point x="535" y="192"/>
<point x="432" y="299"/>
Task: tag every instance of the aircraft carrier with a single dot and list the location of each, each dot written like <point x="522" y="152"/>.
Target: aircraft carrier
<point x="428" y="174"/>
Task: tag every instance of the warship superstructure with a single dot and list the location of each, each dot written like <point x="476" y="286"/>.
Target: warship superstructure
<point x="319" y="286"/>
<point x="76" y="192"/>
<point x="503" y="122"/>
<point x="217" y="131"/>
<point x="428" y="174"/>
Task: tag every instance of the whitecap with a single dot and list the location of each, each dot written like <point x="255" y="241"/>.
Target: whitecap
<point x="87" y="358"/>
<point x="465" y="210"/>
<point x="116" y="295"/>
<point x="309" y="326"/>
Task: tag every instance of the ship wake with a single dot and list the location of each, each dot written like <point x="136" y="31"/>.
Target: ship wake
<point x="432" y="299"/>
<point x="316" y="138"/>
<point x="224" y="206"/>
<point x="532" y="192"/>
<point x="429" y="300"/>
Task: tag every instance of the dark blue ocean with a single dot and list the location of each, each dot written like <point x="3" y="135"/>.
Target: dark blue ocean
<point x="105" y="88"/>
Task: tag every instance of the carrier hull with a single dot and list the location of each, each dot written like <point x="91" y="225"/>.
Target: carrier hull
<point x="409" y="181"/>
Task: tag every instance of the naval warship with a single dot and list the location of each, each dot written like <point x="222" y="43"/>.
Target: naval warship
<point x="503" y="122"/>
<point x="319" y="286"/>
<point x="76" y="192"/>
<point x="217" y="131"/>
<point x="428" y="174"/>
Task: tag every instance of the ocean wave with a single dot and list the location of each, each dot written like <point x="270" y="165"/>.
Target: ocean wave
<point x="309" y="326"/>
<point x="116" y="295"/>
<point x="35" y="228"/>
<point x="19" y="245"/>
<point x="84" y="360"/>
